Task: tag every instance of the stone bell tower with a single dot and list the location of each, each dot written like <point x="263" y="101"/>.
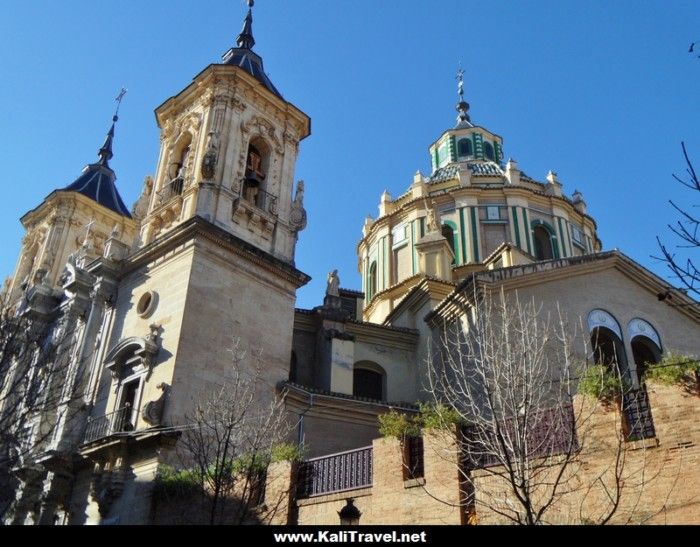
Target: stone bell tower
<point x="229" y="144"/>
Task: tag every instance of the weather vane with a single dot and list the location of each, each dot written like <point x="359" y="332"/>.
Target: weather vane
<point x="119" y="99"/>
<point x="460" y="82"/>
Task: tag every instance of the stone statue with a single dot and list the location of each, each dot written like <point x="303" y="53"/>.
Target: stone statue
<point x="140" y="208"/>
<point x="333" y="284"/>
<point x="432" y="221"/>
<point x="297" y="214"/>
<point x="211" y="156"/>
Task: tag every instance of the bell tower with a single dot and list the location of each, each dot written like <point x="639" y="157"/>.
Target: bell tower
<point x="229" y="144"/>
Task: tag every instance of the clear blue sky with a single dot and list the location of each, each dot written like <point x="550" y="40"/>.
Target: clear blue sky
<point x="601" y="92"/>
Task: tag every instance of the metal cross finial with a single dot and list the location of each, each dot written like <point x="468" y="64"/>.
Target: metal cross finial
<point x="119" y="99"/>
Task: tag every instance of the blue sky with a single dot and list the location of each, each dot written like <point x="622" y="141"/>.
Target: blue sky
<point x="601" y="92"/>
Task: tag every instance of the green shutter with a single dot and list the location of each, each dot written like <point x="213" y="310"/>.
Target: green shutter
<point x="413" y="246"/>
<point x="528" y="231"/>
<point x="498" y="151"/>
<point x="463" y="234"/>
<point x="562" y="237"/>
<point x="478" y="146"/>
<point x="516" y="227"/>
<point x="452" y="148"/>
<point x="475" y="235"/>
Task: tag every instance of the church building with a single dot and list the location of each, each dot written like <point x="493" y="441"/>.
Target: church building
<point x="146" y="301"/>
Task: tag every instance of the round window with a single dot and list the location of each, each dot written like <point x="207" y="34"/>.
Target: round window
<point x="147" y="304"/>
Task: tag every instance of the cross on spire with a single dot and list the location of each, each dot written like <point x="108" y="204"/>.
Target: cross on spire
<point x="105" y="152"/>
<point x="119" y="99"/>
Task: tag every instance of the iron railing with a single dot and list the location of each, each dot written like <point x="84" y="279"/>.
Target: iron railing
<point x="541" y="434"/>
<point x="335" y="473"/>
<point x="261" y="199"/>
<point x="637" y="411"/>
<point x="170" y="190"/>
<point x="103" y="426"/>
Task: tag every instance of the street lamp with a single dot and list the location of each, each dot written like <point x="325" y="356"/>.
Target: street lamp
<point x="349" y="515"/>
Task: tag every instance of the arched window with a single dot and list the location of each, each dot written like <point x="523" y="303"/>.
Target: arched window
<point x="449" y="234"/>
<point x="256" y="169"/>
<point x="645" y="352"/>
<point x="368" y="380"/>
<point x="464" y="148"/>
<point x="543" y="243"/>
<point x="606" y="340"/>
<point x="609" y="351"/>
<point x="646" y="345"/>
<point x="372" y="281"/>
<point x="178" y="167"/>
<point x="488" y="151"/>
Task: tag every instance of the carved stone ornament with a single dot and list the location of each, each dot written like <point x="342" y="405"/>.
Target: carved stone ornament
<point x="211" y="156"/>
<point x="153" y="410"/>
<point x="297" y="215"/>
<point x="140" y="208"/>
<point x="135" y="353"/>
<point x="333" y="285"/>
<point x="108" y="484"/>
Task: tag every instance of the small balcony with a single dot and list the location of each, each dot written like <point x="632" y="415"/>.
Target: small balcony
<point x="103" y="426"/>
<point x="334" y="473"/>
<point x="172" y="189"/>
<point x="260" y="198"/>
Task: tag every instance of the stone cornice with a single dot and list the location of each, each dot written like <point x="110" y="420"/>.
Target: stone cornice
<point x="421" y="293"/>
<point x="383" y="335"/>
<point x="515" y="277"/>
<point x="197" y="227"/>
<point x="57" y="197"/>
<point x="328" y="405"/>
<point x="206" y="79"/>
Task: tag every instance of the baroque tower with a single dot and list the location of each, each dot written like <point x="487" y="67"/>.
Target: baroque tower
<point x="156" y="308"/>
<point x="229" y="143"/>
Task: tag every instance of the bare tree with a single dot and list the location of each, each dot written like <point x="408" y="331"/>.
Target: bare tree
<point x="36" y="353"/>
<point x="687" y="229"/>
<point x="510" y="371"/>
<point x="230" y="437"/>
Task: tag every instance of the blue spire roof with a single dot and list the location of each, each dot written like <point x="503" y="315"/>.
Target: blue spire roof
<point x="244" y="57"/>
<point x="97" y="181"/>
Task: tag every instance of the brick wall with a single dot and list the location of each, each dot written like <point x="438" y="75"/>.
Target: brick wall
<point x="661" y="476"/>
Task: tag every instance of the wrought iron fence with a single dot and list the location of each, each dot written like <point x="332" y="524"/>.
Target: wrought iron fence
<point x="637" y="412"/>
<point x="103" y="426"/>
<point x="335" y="473"/>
